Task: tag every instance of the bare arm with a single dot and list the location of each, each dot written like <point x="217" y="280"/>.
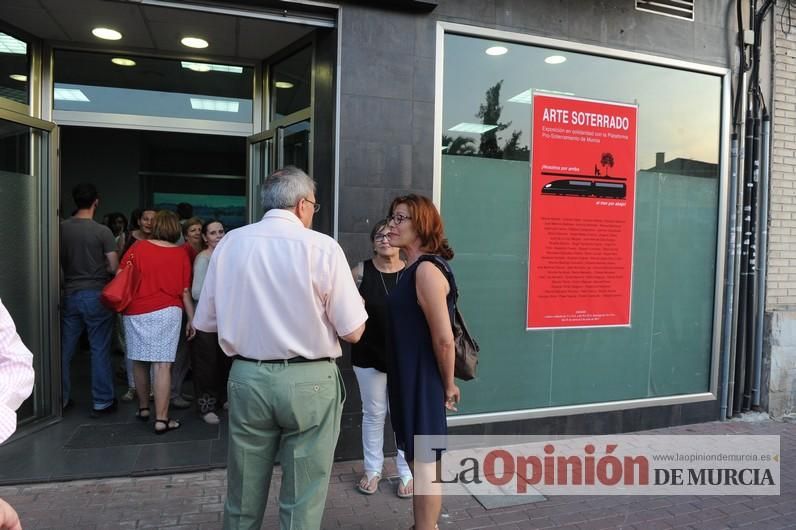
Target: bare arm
<point x="112" y="261"/>
<point x="357" y="272"/>
<point x="187" y="303"/>
<point x="432" y="291"/>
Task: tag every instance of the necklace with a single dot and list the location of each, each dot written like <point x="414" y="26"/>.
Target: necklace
<point x="384" y="284"/>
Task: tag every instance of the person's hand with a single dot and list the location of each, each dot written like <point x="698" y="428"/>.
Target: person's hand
<point x="190" y="331"/>
<point x="9" y="520"/>
<point x="452" y="397"/>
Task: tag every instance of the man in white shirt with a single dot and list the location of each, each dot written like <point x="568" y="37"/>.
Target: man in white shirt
<point x="16" y="384"/>
<point x="279" y="295"/>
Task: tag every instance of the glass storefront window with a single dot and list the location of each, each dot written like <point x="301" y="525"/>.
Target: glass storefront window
<point x="14" y="68"/>
<point x="485" y="201"/>
<point x="291" y="80"/>
<point x="676" y="107"/>
<point x="145" y="86"/>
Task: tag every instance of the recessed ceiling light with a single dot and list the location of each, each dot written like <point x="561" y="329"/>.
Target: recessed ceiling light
<point x="207" y="67"/>
<point x="194" y="42"/>
<point x="497" y="50"/>
<point x="283" y="84"/>
<point x="9" y="44"/>
<point x="477" y="128"/>
<point x="220" y="105"/>
<point x="121" y="61"/>
<point x="19" y="77"/>
<point x="106" y="33"/>
<point x="70" y="94"/>
<point x="555" y="59"/>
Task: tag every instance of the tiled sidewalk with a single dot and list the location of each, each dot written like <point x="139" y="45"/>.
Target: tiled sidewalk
<point x="195" y="501"/>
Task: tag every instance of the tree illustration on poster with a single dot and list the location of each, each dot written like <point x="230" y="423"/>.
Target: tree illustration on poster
<point x="607" y="161"/>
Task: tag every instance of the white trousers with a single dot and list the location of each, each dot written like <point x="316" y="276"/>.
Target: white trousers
<point x="375" y="405"/>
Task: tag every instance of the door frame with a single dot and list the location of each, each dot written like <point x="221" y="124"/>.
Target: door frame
<point x="254" y="163"/>
<point x="45" y="166"/>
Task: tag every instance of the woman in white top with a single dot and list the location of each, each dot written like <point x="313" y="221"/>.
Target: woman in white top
<point x="210" y="364"/>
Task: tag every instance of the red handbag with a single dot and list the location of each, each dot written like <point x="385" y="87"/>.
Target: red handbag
<point x="119" y="292"/>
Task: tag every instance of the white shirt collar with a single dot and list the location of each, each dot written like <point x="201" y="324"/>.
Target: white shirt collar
<point x="286" y="215"/>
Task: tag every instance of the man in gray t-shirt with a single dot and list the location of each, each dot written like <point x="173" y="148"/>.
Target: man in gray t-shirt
<point x="88" y="261"/>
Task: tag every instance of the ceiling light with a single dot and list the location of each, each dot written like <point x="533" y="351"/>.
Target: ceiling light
<point x="283" y="84"/>
<point x="9" y="44"/>
<point x="206" y="67"/>
<point x="527" y="96"/>
<point x="220" y="105"/>
<point x="477" y="128"/>
<point x="555" y="59"/>
<point x="121" y="61"/>
<point x="106" y="33"/>
<point x="70" y="94"/>
<point x="194" y="42"/>
<point x="19" y="77"/>
<point x="497" y="50"/>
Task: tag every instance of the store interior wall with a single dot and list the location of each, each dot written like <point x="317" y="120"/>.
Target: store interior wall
<point x="112" y="160"/>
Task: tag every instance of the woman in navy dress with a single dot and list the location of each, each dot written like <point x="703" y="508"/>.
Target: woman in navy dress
<point x="421" y="382"/>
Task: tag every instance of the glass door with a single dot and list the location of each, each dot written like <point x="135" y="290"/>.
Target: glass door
<point x="260" y="148"/>
<point x="28" y="263"/>
<point x="287" y="144"/>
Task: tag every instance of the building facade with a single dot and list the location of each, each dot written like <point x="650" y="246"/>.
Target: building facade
<point x="434" y="98"/>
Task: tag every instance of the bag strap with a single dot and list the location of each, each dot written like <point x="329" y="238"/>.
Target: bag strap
<point x="443" y="266"/>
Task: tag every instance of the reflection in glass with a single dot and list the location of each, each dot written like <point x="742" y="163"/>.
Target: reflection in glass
<point x="679" y="111"/>
<point x="262" y="166"/>
<point x="92" y="82"/>
<point x="296" y="145"/>
<point x="290" y="83"/>
<point x="14" y="61"/>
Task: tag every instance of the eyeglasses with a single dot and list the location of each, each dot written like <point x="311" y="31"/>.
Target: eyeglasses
<point x="397" y="219"/>
<point x="316" y="207"/>
<point x="381" y="237"/>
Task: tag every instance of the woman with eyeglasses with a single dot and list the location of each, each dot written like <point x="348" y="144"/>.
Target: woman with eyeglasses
<point x="420" y="308"/>
<point x="376" y="278"/>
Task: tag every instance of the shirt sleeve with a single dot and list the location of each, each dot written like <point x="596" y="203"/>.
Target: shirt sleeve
<point x="16" y="374"/>
<point x="204" y="318"/>
<point x="199" y="272"/>
<point x="344" y="306"/>
<point x="108" y="242"/>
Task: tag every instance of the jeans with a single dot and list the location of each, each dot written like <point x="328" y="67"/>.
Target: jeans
<point x="373" y="391"/>
<point x="83" y="309"/>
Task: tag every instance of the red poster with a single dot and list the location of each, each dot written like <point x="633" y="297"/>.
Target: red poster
<point x="583" y="185"/>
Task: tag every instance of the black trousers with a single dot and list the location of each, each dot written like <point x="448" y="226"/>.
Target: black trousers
<point x="210" y="367"/>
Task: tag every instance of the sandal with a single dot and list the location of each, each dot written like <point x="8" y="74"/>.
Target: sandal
<point x="142" y="414"/>
<point x="170" y="425"/>
<point x="405" y="490"/>
<point x="369" y="483"/>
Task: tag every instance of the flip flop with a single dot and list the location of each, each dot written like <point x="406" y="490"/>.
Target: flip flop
<point x="405" y="480"/>
<point x="367" y="479"/>
<point x="171" y="425"/>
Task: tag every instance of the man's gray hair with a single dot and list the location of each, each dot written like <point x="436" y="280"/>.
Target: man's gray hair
<point x="285" y="187"/>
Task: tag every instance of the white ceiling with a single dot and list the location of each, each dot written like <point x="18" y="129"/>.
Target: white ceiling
<point x="150" y="28"/>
